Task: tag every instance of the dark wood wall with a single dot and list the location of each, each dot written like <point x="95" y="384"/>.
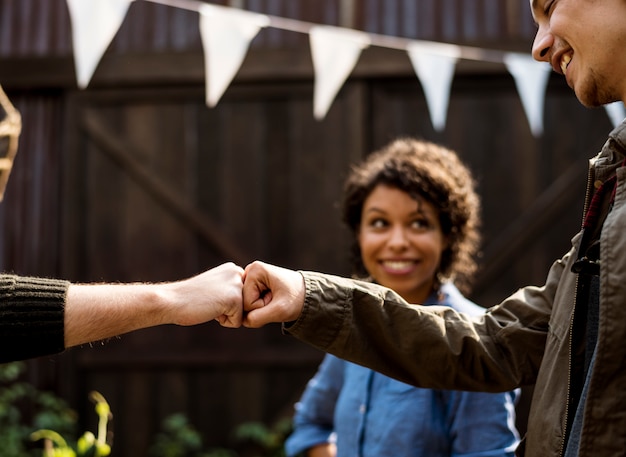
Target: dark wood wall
<point x="135" y="179"/>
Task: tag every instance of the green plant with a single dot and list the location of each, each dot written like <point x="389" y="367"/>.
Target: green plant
<point x="264" y="441"/>
<point x="88" y="444"/>
<point x="28" y="415"/>
<point x="24" y="408"/>
<point x="179" y="438"/>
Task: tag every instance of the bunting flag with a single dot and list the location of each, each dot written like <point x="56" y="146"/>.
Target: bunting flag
<point x="226" y="35"/>
<point x="335" y="52"/>
<point x="94" y="24"/>
<point x="531" y="80"/>
<point x="434" y="65"/>
<point x="227" y="32"/>
<point x="616" y="112"/>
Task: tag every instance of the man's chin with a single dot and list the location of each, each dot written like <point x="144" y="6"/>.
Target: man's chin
<point x="592" y="98"/>
<point x="589" y="101"/>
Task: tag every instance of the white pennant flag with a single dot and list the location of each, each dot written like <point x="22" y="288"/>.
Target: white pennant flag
<point x="434" y="65"/>
<point x="616" y="112"/>
<point x="94" y="24"/>
<point x="226" y="35"/>
<point x="531" y="80"/>
<point x="335" y="52"/>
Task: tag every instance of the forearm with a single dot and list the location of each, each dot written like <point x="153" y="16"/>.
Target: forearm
<point x="96" y="312"/>
<point x="433" y="347"/>
<point x="44" y="316"/>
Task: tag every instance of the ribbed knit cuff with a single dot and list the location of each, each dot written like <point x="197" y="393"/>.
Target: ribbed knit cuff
<point x="31" y="317"/>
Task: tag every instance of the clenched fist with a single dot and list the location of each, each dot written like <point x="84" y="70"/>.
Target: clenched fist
<point x="271" y="294"/>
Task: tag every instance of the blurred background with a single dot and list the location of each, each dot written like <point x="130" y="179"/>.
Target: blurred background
<point x="135" y="179"/>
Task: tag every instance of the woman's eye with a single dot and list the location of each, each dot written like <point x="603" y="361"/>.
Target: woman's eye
<point x="378" y="223"/>
<point x="548" y="7"/>
<point x="420" y="224"/>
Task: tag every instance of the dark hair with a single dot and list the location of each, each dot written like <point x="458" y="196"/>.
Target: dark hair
<point x="426" y="171"/>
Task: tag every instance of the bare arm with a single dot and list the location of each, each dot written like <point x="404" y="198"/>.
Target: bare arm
<point x="98" y="311"/>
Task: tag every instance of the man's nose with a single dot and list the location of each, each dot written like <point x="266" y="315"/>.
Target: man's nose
<point x="542" y="44"/>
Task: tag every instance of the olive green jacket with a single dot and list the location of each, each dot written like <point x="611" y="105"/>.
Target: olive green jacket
<point x="525" y="340"/>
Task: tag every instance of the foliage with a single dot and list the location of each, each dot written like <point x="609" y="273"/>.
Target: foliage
<point x="265" y="441"/>
<point x="180" y="439"/>
<point x="88" y="444"/>
<point x="251" y="439"/>
<point x="28" y="415"/>
<point x="24" y="408"/>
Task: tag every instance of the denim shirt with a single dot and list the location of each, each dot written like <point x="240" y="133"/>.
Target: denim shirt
<point x="368" y="414"/>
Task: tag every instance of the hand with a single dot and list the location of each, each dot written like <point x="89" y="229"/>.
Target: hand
<point x="271" y="294"/>
<point x="323" y="450"/>
<point x="214" y="294"/>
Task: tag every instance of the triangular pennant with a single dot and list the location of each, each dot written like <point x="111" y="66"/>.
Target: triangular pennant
<point x="434" y="65"/>
<point x="226" y="35"/>
<point x="94" y="24"/>
<point x="616" y="112"/>
<point x="531" y="80"/>
<point x="335" y="52"/>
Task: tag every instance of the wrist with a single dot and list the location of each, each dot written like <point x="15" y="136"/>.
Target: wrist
<point x="163" y="299"/>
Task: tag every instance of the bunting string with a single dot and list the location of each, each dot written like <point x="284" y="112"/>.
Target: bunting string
<point x="382" y="41"/>
<point x="227" y="32"/>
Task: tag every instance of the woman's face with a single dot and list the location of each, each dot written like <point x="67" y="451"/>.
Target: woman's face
<point x="401" y="242"/>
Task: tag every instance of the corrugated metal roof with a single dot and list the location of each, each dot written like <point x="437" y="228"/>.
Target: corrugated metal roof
<point x="34" y="28"/>
<point x="42" y="27"/>
<point x="449" y="20"/>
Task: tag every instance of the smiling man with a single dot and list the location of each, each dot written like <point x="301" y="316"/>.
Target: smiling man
<point x="568" y="338"/>
<point x="584" y="40"/>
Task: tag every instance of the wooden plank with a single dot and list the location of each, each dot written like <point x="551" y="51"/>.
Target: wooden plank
<point x="180" y="207"/>
<point x="544" y="212"/>
<point x="136" y="70"/>
<point x="253" y="357"/>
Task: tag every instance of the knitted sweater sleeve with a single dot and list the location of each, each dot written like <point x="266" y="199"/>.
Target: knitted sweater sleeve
<point x="31" y="317"/>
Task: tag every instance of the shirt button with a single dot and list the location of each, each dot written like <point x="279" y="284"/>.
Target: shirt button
<point x="597" y="184"/>
<point x="362" y="409"/>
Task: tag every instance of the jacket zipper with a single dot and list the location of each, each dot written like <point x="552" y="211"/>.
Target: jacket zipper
<point x="571" y="323"/>
<point x="569" y="373"/>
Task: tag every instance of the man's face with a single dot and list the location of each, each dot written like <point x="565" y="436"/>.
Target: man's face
<point x="584" y="40"/>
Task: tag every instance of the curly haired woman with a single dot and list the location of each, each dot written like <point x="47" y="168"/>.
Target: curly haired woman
<point x="414" y="214"/>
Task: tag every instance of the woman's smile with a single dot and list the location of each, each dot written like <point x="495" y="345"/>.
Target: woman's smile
<point x="398" y="267"/>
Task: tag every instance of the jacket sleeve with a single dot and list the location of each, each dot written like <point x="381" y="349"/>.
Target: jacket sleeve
<point x="481" y="424"/>
<point x="31" y="317"/>
<point x="313" y="422"/>
<point x="428" y="346"/>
